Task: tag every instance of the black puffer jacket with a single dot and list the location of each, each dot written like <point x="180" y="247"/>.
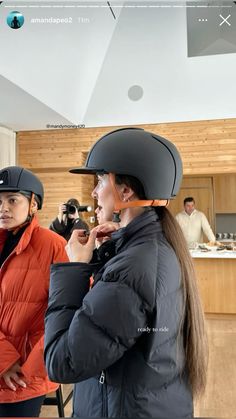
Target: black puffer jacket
<point x="118" y="341"/>
<point x="66" y="229"/>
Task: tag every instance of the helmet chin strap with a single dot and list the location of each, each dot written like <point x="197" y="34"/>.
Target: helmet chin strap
<point x="119" y="204"/>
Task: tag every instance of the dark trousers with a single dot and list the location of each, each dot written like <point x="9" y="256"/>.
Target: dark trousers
<point x="27" y="408"/>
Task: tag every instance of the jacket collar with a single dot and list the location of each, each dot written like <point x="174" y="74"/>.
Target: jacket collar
<point x="25" y="238"/>
<point x="142" y="227"/>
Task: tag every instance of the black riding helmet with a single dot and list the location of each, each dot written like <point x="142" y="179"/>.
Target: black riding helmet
<point x="17" y="179"/>
<point x="152" y="159"/>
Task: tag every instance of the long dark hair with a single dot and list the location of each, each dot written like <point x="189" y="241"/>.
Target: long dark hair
<point x="192" y="325"/>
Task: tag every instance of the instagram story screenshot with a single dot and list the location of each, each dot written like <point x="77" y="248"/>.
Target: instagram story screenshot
<point x="118" y="208"/>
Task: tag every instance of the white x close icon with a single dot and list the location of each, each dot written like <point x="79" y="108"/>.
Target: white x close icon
<point x="225" y="20"/>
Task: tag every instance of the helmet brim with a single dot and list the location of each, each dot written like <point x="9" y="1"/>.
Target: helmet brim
<point x="87" y="170"/>
<point x="9" y="189"/>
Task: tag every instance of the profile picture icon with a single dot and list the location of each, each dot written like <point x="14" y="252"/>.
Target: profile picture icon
<point x="15" y="20"/>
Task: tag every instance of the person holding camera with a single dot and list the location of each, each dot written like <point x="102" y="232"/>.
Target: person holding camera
<point x="68" y="219"/>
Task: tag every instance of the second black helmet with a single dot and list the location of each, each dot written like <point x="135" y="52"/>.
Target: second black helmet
<point x="16" y="178"/>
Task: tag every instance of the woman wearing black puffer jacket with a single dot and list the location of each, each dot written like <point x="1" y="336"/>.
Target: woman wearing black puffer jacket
<point x="135" y="343"/>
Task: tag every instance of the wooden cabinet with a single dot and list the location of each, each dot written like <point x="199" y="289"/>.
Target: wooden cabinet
<point x="217" y="284"/>
<point x="201" y="189"/>
<point x="225" y="193"/>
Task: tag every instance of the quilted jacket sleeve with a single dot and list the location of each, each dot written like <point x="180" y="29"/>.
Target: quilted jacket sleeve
<point x="87" y="332"/>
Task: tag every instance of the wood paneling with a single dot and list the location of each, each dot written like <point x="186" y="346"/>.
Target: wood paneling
<point x="196" y="182"/>
<point x="217" y="284"/>
<point x="207" y="147"/>
<point x="225" y="193"/>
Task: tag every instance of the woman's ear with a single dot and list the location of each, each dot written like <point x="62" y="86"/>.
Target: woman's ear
<point x="34" y="206"/>
<point x="127" y="194"/>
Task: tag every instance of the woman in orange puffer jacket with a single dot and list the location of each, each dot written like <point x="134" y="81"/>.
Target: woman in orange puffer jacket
<point x="26" y="253"/>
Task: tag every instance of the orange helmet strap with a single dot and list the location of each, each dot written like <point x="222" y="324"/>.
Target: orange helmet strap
<point x="119" y="204"/>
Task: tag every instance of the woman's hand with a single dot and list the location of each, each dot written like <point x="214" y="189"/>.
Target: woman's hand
<point x="61" y="209"/>
<point x="12" y="377"/>
<point x="104" y="232"/>
<point x="80" y="246"/>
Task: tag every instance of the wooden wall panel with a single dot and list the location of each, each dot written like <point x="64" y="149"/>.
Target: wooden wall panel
<point x="225" y="193"/>
<point x="206" y="147"/>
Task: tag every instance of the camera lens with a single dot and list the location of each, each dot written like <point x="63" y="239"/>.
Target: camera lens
<point x="71" y="209"/>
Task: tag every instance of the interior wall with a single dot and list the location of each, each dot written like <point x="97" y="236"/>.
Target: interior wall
<point x="206" y="147"/>
<point x="7" y="147"/>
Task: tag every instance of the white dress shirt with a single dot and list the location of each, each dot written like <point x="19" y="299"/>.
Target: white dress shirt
<point x="194" y="225"/>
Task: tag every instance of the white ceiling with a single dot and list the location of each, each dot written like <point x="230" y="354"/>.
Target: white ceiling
<point x="81" y="72"/>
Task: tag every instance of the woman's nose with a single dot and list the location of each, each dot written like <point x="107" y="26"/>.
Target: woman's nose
<point x="94" y="193"/>
<point x="4" y="207"/>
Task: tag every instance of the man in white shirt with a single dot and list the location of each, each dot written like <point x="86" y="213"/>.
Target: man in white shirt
<point x="194" y="223"/>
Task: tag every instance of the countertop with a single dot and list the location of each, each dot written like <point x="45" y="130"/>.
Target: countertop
<point x="213" y="253"/>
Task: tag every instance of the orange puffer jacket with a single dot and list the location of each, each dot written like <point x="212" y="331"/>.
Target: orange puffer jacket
<point x="24" y="281"/>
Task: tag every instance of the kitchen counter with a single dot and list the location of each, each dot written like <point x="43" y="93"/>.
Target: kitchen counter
<point x="216" y="276"/>
<point x="214" y="254"/>
<point x="203" y="250"/>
